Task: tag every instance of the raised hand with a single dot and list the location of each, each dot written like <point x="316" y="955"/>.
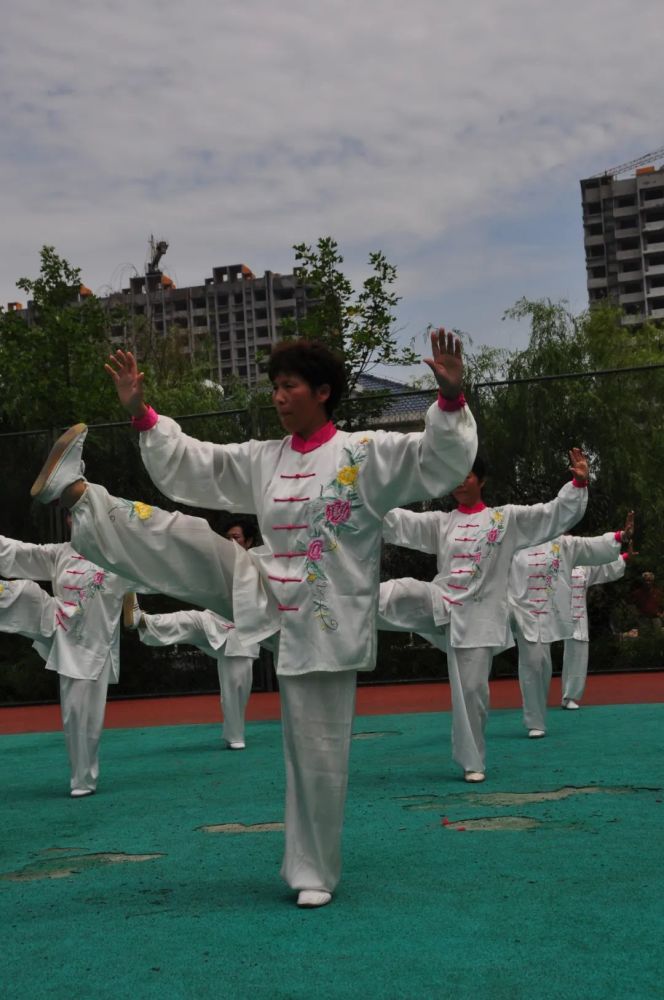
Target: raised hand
<point x="628" y="530"/>
<point x="128" y="380"/>
<point x="578" y="465"/>
<point x="446" y="363"/>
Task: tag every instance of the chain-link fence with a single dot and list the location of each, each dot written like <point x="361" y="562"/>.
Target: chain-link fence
<point x="525" y="431"/>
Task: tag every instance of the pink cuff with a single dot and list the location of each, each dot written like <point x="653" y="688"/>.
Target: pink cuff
<point x="451" y="405"/>
<point x="618" y="536"/>
<point x="624" y="555"/>
<point x="580" y="486"/>
<point x="146" y="422"/>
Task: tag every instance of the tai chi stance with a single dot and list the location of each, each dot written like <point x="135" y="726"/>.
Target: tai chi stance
<point x="77" y="632"/>
<point x="464" y="610"/>
<point x="320" y="495"/>
<point x="540" y="599"/>
<point x="575" y="649"/>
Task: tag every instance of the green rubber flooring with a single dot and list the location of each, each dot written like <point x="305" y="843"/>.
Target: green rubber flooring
<point x="544" y="882"/>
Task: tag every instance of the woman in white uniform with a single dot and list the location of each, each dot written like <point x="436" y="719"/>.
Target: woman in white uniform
<point x="464" y="610"/>
<point x="575" y="649"/>
<point x="77" y="632"/>
<point x="540" y="600"/>
<point x="320" y="495"/>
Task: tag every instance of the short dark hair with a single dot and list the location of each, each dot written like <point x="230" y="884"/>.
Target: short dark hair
<point x="313" y="362"/>
<point x="226" y="521"/>
<point x="480" y="468"/>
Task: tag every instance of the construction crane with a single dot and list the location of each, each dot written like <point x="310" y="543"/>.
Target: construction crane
<point x="157" y="250"/>
<point x="626" y="168"/>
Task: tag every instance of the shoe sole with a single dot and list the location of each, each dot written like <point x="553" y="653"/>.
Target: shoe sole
<point x="55" y="456"/>
<point x="128" y="603"/>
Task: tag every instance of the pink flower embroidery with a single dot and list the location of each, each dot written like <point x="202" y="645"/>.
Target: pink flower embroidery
<point x="555" y="563"/>
<point x="477" y="557"/>
<point x="99" y="578"/>
<point x="315" y="550"/>
<point x="338" y="511"/>
<point x="492" y="535"/>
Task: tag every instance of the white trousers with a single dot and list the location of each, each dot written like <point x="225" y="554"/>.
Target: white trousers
<point x="406" y="606"/>
<point x="575" y="669"/>
<point x="181" y="556"/>
<point x="534" y="679"/>
<point x="468" y="671"/>
<point x="317" y="712"/>
<point x="235" y="672"/>
<point x="171" y="553"/>
<point x="28" y="610"/>
<point x="83" y="704"/>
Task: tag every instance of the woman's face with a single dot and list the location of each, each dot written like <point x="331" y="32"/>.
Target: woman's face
<point x="469" y="492"/>
<point x="300" y="408"/>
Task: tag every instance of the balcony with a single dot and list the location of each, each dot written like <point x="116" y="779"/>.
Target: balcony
<point x="633" y="319"/>
<point x="655" y="292"/>
<point x="593" y="241"/>
<point x="629" y="297"/>
<point x="625" y="276"/>
<point x="654" y="247"/>
<point x="597" y="282"/>
<point x="655" y="269"/>
<point x="628" y="254"/>
<point x="656" y="314"/>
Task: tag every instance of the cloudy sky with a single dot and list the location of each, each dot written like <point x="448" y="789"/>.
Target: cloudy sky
<point x="449" y="133"/>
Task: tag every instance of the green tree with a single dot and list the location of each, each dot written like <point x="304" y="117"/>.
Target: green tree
<point x="357" y="323"/>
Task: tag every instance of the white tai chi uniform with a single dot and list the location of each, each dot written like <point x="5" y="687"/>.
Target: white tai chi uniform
<point x="575" y="655"/>
<point x="320" y="504"/>
<point x="77" y="632"/>
<point x="464" y="609"/>
<point x="540" y="597"/>
<point x="216" y="637"/>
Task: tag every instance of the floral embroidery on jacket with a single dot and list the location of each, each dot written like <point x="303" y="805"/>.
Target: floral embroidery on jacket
<point x="94" y="583"/>
<point x="492" y="537"/>
<point x="331" y="518"/>
<point x="135" y="508"/>
<point x="552" y="567"/>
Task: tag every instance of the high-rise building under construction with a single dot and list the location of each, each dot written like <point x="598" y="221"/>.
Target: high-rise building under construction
<point x="623" y="223"/>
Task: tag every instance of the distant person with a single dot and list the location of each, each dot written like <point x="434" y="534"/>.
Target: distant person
<point x="648" y="601"/>
<point x="77" y="632"/>
<point x="213" y="635"/>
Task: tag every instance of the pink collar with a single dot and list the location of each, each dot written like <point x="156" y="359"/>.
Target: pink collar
<point x="471" y="510"/>
<point x="322" y="436"/>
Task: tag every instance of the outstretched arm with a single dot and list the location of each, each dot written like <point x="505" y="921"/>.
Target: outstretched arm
<point x="541" y="522"/>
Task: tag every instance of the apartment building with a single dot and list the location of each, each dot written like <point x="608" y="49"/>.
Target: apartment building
<point x="230" y="318"/>
<point x="623" y="223"/>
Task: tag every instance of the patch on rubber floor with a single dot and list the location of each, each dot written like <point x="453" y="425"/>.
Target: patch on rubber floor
<point x="378" y="735"/>
<point x="241" y="828"/>
<point x="492" y="823"/>
<point x="63" y="867"/>
<point x="434" y="802"/>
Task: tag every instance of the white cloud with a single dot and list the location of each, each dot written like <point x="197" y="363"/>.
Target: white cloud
<point x="236" y="130"/>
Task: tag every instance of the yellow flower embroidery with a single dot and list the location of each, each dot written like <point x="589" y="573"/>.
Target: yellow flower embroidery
<point x="555" y="549"/>
<point x="365" y="440"/>
<point x="498" y="515"/>
<point x="144" y="510"/>
<point x="311" y="577"/>
<point x="2" y="588"/>
<point x="348" y="475"/>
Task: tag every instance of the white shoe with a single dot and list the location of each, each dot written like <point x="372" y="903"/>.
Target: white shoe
<point x="536" y="734"/>
<point x="474" y="776"/>
<point x="63" y="466"/>
<point x="131" y="611"/>
<point x="570" y="703"/>
<point x="235" y="745"/>
<point x="79" y="793"/>
<point x="313" y="897"/>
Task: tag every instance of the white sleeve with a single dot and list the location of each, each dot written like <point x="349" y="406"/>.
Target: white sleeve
<point x="408" y="467"/>
<point x="413" y="531"/>
<point x="593" y="551"/>
<point x="540" y="522"/>
<point x="607" y="573"/>
<point x="23" y="561"/>
<point x="199" y="473"/>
